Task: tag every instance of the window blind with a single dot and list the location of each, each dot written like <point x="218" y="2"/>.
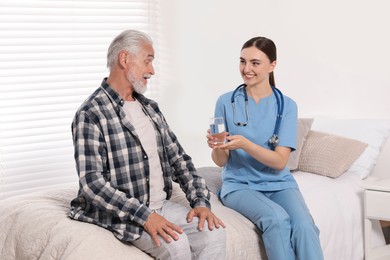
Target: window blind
<point x="52" y="57"/>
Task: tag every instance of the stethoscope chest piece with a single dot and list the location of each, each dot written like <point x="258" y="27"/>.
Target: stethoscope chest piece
<point x="273" y="140"/>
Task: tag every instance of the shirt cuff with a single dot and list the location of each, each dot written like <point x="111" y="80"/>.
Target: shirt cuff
<point x="200" y="202"/>
<point x="141" y="215"/>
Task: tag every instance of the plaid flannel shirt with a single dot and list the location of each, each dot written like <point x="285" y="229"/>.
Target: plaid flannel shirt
<point x="113" y="167"/>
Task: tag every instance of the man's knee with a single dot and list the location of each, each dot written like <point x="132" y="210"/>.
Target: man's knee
<point x="176" y="249"/>
<point x="213" y="240"/>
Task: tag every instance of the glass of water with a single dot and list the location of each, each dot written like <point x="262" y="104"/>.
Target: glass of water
<point x="217" y="130"/>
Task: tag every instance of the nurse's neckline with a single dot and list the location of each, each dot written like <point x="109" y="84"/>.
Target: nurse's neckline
<point x="260" y="97"/>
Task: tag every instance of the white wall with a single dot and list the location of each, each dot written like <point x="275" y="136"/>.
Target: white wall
<point x="332" y="58"/>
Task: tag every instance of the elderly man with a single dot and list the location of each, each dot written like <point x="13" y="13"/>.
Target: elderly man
<point x="127" y="157"/>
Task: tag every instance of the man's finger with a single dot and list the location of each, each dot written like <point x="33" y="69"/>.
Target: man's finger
<point x="172" y="233"/>
<point x="175" y="228"/>
<point x="190" y="215"/>
<point x="155" y="239"/>
<point x="201" y="222"/>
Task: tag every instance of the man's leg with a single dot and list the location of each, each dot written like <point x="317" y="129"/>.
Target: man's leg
<point x="179" y="249"/>
<point x="205" y="244"/>
<point x="192" y="244"/>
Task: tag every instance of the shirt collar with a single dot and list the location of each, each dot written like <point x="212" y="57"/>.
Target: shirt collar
<point x="117" y="99"/>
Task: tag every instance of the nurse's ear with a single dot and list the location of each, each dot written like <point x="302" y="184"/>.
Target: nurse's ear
<point x="272" y="66"/>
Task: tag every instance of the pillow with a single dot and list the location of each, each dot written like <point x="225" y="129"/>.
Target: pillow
<point x="304" y="125"/>
<point x="374" y="132"/>
<point x="329" y="155"/>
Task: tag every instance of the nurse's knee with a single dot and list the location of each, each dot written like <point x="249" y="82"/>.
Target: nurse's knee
<point x="275" y="220"/>
<point x="303" y="228"/>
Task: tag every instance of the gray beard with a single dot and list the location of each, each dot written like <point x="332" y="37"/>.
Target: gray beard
<point x="138" y="86"/>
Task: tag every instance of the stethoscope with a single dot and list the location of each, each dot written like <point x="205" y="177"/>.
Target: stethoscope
<point x="274" y="139"/>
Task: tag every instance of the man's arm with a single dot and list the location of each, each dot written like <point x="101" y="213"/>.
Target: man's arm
<point x="193" y="185"/>
<point x="91" y="161"/>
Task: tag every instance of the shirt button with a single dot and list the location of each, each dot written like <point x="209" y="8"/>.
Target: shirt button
<point x="122" y="102"/>
<point x="145" y="156"/>
<point x="147" y="179"/>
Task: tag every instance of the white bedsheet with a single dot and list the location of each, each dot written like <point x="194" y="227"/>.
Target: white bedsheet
<point x="37" y="227"/>
<point x="336" y="206"/>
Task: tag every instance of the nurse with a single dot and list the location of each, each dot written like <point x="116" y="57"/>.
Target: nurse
<point x="256" y="180"/>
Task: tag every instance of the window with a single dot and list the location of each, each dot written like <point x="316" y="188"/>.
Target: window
<point x="52" y="57"/>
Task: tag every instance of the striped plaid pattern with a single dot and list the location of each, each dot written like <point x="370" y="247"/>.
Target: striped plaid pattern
<point x="113" y="167"/>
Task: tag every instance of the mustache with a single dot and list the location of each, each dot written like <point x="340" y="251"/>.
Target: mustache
<point x="147" y="76"/>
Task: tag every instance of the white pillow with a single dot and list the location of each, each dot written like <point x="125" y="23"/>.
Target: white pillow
<point x="374" y="132"/>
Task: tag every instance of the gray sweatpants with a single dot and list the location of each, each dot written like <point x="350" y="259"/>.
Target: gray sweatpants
<point x="192" y="244"/>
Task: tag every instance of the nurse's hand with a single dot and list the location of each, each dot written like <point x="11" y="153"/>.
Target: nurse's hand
<point x="211" y="140"/>
<point x="219" y="156"/>
<point x="235" y="142"/>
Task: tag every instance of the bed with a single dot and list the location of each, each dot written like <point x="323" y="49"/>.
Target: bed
<point x="36" y="226"/>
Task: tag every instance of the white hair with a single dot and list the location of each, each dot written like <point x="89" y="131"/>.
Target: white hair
<point x="130" y="41"/>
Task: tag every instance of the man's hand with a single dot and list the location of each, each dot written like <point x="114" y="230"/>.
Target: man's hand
<point x="157" y="225"/>
<point x="204" y="213"/>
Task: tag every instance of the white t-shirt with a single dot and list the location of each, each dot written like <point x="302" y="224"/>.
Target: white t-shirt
<point x="145" y="131"/>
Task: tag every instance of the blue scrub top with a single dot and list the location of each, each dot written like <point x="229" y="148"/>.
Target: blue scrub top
<point x="242" y="171"/>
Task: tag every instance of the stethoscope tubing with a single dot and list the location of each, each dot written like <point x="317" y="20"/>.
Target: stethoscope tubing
<point x="274" y="139"/>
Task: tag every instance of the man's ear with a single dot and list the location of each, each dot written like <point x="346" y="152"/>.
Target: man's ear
<point x="123" y="58"/>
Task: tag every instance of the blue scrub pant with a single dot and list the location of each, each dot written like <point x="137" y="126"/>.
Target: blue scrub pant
<point x="288" y="229"/>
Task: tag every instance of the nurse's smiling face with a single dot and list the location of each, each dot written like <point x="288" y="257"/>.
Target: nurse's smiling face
<point x="255" y="67"/>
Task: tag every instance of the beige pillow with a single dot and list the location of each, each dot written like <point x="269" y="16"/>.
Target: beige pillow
<point x="329" y="155"/>
<point x="304" y="125"/>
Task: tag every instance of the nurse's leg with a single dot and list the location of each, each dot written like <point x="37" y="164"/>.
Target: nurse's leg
<point x="305" y="234"/>
<point x="269" y="217"/>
